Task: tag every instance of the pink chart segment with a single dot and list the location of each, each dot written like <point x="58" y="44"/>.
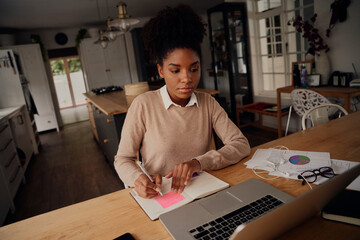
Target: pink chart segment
<point x="299" y="160"/>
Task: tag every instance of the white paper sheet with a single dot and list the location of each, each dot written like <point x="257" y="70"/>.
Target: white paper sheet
<point x="276" y="162"/>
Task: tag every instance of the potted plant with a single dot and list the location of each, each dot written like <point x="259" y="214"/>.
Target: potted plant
<point x="310" y="33"/>
<point x="82" y="33"/>
<point x="318" y="47"/>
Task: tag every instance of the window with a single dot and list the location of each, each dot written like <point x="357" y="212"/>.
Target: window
<point x="279" y="43"/>
<point x="264" y="5"/>
<point x="271" y="50"/>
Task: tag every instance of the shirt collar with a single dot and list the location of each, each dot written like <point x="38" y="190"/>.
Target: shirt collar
<point x="168" y="102"/>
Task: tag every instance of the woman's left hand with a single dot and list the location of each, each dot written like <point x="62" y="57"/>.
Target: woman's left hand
<point x="182" y="173"/>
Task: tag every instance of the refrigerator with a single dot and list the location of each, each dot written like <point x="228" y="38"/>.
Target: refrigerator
<point x="14" y="92"/>
<point x="11" y="93"/>
<point x="31" y="65"/>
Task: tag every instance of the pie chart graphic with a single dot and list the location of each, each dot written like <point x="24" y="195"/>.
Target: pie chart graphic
<point x="299" y="160"/>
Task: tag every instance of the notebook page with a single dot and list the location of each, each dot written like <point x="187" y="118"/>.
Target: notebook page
<point x="161" y="204"/>
<point x="201" y="185"/>
<point x="204" y="184"/>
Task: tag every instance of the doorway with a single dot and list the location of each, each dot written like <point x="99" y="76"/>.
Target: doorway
<point x="69" y="86"/>
<point x="69" y="81"/>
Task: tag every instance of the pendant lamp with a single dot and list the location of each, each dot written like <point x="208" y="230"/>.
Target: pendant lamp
<point x="123" y="21"/>
<point x="103" y="41"/>
<point x="111" y="33"/>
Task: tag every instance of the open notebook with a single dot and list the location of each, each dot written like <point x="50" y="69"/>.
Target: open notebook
<point x="202" y="184"/>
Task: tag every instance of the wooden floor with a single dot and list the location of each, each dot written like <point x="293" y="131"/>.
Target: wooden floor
<point x="257" y="136"/>
<point x="71" y="168"/>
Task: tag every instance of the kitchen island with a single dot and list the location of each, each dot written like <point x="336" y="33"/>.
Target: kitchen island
<point x="107" y="114"/>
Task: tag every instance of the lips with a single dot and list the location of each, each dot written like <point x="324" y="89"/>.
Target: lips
<point x="185" y="89"/>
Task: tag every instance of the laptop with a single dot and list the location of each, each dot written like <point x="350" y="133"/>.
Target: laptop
<point x="240" y="211"/>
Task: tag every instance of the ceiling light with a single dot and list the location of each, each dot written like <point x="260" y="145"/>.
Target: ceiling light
<point x="123" y="21"/>
<point x="111" y="33"/>
<point x="103" y="41"/>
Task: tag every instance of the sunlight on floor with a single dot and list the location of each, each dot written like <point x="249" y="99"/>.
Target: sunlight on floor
<point x="73" y="115"/>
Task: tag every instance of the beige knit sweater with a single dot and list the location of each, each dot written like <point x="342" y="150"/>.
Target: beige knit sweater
<point x="178" y="134"/>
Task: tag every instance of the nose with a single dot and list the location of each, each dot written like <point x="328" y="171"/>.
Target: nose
<point x="186" y="78"/>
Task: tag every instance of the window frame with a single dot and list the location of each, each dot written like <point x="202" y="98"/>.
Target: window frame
<point x="284" y="12"/>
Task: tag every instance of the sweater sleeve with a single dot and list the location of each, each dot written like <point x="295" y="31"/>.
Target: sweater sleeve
<point x="131" y="137"/>
<point x="236" y="145"/>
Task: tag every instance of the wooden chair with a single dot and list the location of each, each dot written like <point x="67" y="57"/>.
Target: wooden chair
<point x="134" y="89"/>
<point x="320" y="114"/>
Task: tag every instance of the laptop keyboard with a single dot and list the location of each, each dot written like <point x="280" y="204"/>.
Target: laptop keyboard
<point x="223" y="227"/>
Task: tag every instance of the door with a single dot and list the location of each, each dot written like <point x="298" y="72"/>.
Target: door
<point x="69" y="81"/>
<point x="230" y="56"/>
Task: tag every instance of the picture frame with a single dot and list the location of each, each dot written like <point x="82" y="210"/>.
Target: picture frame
<point x="308" y="65"/>
<point x="314" y="80"/>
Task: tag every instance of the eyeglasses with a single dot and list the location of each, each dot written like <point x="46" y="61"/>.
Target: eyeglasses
<point x="310" y="176"/>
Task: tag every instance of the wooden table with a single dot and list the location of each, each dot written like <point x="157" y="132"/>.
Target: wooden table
<point x="340" y="92"/>
<point x="111" y="215"/>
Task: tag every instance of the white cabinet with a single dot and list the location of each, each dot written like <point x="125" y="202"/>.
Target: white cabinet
<point x="20" y="127"/>
<point x="105" y="67"/>
<point x="34" y="70"/>
<point x="5" y="200"/>
<point x="12" y="96"/>
<point x="11" y="172"/>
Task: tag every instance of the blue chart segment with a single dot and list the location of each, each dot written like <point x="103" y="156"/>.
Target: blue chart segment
<point x="299" y="160"/>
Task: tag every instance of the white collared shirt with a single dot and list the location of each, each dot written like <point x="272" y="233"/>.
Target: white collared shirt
<point x="168" y="102"/>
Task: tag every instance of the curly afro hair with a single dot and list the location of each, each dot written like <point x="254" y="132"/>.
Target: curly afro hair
<point x="173" y="28"/>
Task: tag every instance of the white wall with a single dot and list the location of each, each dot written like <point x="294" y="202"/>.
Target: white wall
<point x="345" y="37"/>
<point x="47" y="37"/>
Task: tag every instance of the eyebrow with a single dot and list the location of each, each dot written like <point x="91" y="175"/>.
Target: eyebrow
<point x="178" y="65"/>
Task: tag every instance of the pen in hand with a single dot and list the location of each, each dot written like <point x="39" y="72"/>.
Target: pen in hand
<point x="147" y="174"/>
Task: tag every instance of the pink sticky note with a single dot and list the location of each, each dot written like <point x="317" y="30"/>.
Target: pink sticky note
<point x="169" y="199"/>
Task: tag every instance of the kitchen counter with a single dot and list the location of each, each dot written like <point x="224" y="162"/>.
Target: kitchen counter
<point x="107" y="114"/>
<point x="112" y="103"/>
<point x="5" y="112"/>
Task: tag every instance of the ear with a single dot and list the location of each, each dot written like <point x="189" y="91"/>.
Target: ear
<point x="160" y="70"/>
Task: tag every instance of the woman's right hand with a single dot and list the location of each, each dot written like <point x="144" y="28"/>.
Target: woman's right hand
<point x="145" y="188"/>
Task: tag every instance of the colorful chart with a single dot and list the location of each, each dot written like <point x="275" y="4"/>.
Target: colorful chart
<point x="299" y="160"/>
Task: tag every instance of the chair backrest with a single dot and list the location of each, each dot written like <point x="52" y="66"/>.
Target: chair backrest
<point x="134" y="89"/>
<point x="303" y="100"/>
<point x="320" y="114"/>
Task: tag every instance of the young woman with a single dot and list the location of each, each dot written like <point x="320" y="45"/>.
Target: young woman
<point x="172" y="127"/>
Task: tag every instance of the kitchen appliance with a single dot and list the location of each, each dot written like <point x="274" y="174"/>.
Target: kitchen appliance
<point x="107" y="89"/>
<point x="341" y="79"/>
<point x="14" y="92"/>
<point x="11" y="74"/>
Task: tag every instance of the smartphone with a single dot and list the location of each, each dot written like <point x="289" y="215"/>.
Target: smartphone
<point x="126" y="236"/>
